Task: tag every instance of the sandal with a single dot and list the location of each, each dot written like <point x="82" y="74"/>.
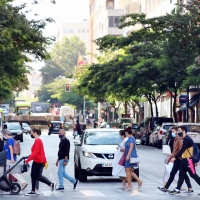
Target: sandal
<point x="24" y="185"/>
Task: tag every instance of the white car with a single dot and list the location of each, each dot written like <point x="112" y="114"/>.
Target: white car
<point x="94" y="154"/>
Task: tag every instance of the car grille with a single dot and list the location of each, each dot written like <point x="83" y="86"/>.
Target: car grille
<point x="108" y="156"/>
<point x="101" y="169"/>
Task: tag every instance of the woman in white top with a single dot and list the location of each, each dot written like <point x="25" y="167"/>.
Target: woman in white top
<point x="119" y="170"/>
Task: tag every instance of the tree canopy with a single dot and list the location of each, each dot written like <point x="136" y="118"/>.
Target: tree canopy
<point x="155" y="58"/>
<point x="19" y="38"/>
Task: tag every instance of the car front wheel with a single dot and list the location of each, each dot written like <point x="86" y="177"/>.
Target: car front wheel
<point x="81" y="174"/>
<point x="22" y="139"/>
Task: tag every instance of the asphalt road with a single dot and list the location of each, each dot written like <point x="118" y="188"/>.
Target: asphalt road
<point x="100" y="188"/>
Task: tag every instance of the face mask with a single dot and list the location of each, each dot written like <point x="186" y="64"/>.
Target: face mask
<point x="32" y="136"/>
<point x="173" y="134"/>
<point x="60" y="136"/>
<point x="180" y="134"/>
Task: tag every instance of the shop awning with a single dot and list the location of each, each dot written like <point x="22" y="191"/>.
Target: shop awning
<point x="194" y="100"/>
<point x="182" y="108"/>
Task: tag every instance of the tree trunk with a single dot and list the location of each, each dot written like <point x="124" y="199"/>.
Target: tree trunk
<point x="156" y="106"/>
<point x="125" y="105"/>
<point x="174" y="105"/>
<point x="140" y="111"/>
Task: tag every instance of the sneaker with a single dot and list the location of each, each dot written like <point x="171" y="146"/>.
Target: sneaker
<point x="37" y="192"/>
<point x="53" y="187"/>
<point x="75" y="184"/>
<point x="60" y="189"/>
<point x="121" y="188"/>
<point x="163" y="190"/>
<point x="189" y="192"/>
<point x="30" y="194"/>
<point x="174" y="192"/>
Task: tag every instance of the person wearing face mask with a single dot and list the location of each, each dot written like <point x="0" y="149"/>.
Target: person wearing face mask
<point x="39" y="161"/>
<point x="11" y="157"/>
<point x="177" y="145"/>
<point x="63" y="160"/>
<point x="185" y="153"/>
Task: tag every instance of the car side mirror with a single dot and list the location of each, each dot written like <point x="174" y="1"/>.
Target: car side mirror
<point x="77" y="144"/>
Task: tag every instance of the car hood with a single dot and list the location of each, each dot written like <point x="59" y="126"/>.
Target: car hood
<point x="193" y="133"/>
<point x="15" y="130"/>
<point x="99" y="148"/>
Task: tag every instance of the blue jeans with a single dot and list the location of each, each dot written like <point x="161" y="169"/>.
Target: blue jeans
<point x="62" y="173"/>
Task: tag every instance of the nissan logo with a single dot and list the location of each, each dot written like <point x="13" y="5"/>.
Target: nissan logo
<point x="110" y="156"/>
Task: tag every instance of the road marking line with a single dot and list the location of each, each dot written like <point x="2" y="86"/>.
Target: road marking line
<point x="91" y="193"/>
<point x="151" y="176"/>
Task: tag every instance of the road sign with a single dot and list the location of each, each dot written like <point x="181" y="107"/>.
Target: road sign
<point x="112" y="109"/>
<point x="62" y="118"/>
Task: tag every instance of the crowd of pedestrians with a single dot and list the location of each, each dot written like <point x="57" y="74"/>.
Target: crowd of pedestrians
<point x="126" y="161"/>
<point x="182" y="157"/>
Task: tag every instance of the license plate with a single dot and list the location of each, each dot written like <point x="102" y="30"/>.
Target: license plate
<point x="107" y="165"/>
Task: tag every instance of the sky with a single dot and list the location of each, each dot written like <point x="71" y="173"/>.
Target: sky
<point x="62" y="11"/>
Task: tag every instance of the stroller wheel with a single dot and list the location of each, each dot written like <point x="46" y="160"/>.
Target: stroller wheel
<point x="15" y="188"/>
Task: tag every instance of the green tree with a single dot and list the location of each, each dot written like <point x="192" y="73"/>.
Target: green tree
<point x="64" y="57"/>
<point x="19" y="38"/>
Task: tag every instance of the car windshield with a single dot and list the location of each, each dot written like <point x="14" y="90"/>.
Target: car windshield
<point x="160" y="121"/>
<point x="25" y="125"/>
<point x="126" y="121"/>
<point x="134" y="126"/>
<point x="102" y="138"/>
<point x="166" y="127"/>
<point x="56" y="124"/>
<point x="193" y="128"/>
<point x="13" y="126"/>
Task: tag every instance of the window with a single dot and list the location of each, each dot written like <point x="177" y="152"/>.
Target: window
<point x="113" y="21"/>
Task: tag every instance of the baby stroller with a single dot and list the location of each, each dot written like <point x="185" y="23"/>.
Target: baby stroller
<point x="5" y="184"/>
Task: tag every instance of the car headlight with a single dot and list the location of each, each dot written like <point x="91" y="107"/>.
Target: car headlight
<point x="19" y="133"/>
<point x="89" y="155"/>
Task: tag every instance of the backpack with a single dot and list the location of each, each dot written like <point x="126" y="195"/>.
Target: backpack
<point x="16" y="148"/>
<point x="196" y="154"/>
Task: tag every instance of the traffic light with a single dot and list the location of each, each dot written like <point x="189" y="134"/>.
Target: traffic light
<point x="67" y="87"/>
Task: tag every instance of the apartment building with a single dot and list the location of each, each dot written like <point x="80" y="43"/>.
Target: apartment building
<point x="104" y="20"/>
<point x="35" y="82"/>
<point x="78" y="28"/>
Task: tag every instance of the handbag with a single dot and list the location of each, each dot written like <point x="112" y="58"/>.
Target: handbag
<point x="122" y="159"/>
<point x="166" y="150"/>
<point x="135" y="160"/>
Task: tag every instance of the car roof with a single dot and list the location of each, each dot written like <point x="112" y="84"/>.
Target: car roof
<point x="169" y="123"/>
<point x="56" y="122"/>
<point x="185" y="123"/>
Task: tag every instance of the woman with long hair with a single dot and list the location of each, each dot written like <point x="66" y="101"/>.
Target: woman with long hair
<point x="39" y="161"/>
<point x="131" y="152"/>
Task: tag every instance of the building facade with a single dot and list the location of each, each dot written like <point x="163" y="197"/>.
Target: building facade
<point x="79" y="28"/>
<point x="104" y="20"/>
<point x="35" y="82"/>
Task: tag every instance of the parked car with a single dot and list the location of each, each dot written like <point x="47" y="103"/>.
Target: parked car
<point x="16" y="130"/>
<point x="94" y="155"/>
<point x="149" y="124"/>
<point x="26" y="128"/>
<point x="193" y="130"/>
<point x="156" y="137"/>
<point x="54" y="127"/>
